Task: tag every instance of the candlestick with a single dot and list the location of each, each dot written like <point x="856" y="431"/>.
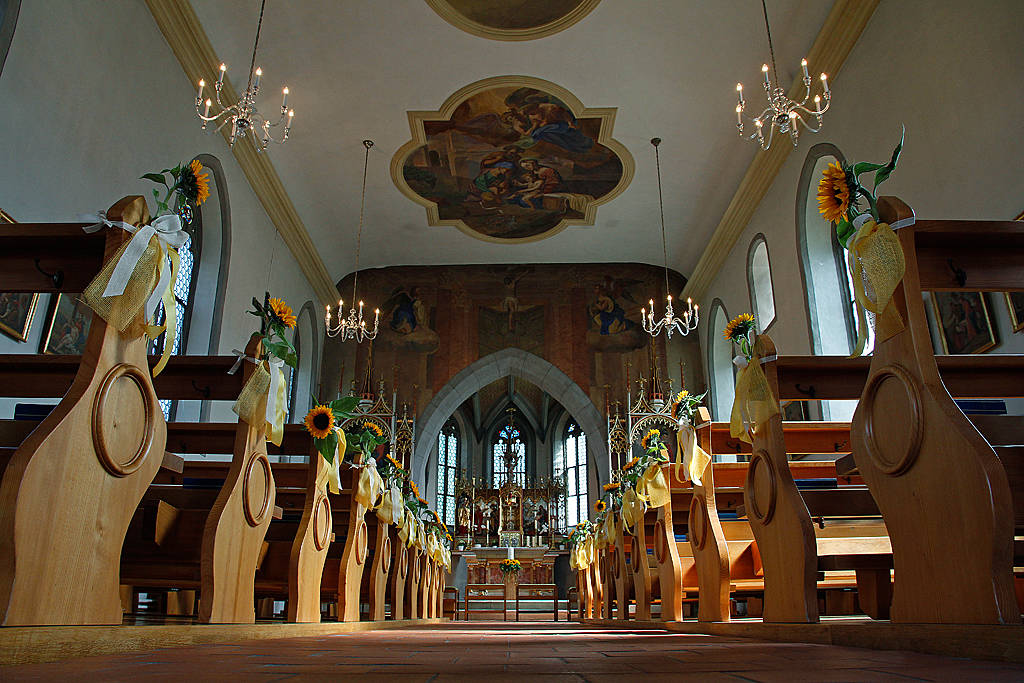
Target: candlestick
<point x="824" y="82"/>
<point x="220" y="78"/>
<point x="202" y="83"/>
<point x="284" y="104"/>
<point x="803" y="63"/>
<point x="206" y="112"/>
<point x="256" y="82"/>
<point x="764" y="70"/>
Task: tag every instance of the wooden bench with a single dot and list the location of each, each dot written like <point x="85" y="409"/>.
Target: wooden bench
<point x="485" y="592"/>
<point x="537" y="591"/>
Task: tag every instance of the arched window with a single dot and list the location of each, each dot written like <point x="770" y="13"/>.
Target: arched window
<point x="302" y="380"/>
<point x="512" y="438"/>
<point x="723" y="382"/>
<point x="574" y="460"/>
<point x="826" y="277"/>
<point x="759" y="283"/>
<point x="184" y="291"/>
<point x="447" y="470"/>
<point x="295" y="413"/>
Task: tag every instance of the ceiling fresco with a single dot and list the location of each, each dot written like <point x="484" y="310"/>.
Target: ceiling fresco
<point x="520" y="20"/>
<point x="512" y="159"/>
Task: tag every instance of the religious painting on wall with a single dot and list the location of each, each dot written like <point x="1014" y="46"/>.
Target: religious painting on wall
<point x="521" y="20"/>
<point x="16" y="308"/>
<point x="68" y="328"/>
<point x="614" y="316"/>
<point x="512" y="159"/>
<point x="405" y="324"/>
<point x="963" y="321"/>
<point x="1015" y="302"/>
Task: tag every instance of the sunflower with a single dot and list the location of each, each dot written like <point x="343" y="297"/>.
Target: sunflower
<point x="437" y="517"/>
<point x="646" y="440"/>
<point x="319" y="422"/>
<point x="677" y="402"/>
<point x="600" y="506"/>
<point x="833" y="193"/>
<point x="415" y="489"/>
<point x="373" y="427"/>
<point x="634" y="461"/>
<point x="191" y="185"/>
<point x="282" y="313"/>
<point x="394" y="463"/>
<point x="202" y="182"/>
<point x="739" y="326"/>
<point x="614" y="486"/>
<point x="422" y="502"/>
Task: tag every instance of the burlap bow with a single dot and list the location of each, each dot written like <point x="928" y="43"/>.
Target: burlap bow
<point x="754" y="403"/>
<point x="876" y="260"/>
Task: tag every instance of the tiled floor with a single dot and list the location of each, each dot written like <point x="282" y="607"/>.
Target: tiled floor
<point x="496" y="652"/>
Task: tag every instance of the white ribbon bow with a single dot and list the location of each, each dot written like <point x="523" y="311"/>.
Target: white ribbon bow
<point x="167" y="229"/>
<point x="238" y="362"/>
<point x="99" y="219"/>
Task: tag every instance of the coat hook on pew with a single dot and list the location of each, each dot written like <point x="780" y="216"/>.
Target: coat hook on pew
<point x="809" y="391"/>
<point x="58" y="277"/>
<point x="840" y="445"/>
<point x="961" y="276"/>
<point x="733" y="444"/>
<point x="205" y="392"/>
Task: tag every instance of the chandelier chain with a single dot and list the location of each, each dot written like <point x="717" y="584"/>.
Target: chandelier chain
<point x="661" y="206"/>
<point x="252" y="64"/>
<point x="771" y="49"/>
<point x="362" y="201"/>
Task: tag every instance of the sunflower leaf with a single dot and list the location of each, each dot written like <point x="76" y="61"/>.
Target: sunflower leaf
<point x="864" y="167"/>
<point x="882" y="174"/>
<point x="345" y="405"/>
<point x="155" y="177"/>
<point x="844" y="231"/>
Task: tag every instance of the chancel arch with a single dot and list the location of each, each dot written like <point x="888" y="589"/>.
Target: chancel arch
<point x="530" y="367"/>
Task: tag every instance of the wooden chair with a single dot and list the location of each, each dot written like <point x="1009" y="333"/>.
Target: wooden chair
<point x="450" y="603"/>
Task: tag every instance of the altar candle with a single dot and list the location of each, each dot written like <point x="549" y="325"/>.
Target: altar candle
<point x="511" y="551"/>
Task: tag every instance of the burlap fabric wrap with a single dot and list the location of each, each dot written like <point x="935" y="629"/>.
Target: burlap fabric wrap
<point x="124" y="311"/>
<point x="754" y="403"/>
<point x="690" y="457"/>
<point x="877" y="263"/>
<point x="251" y="404"/>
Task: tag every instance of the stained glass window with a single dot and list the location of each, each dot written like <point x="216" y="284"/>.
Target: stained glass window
<point x="447" y="470"/>
<point x="513" y="437"/>
<point x="574" y="460"/>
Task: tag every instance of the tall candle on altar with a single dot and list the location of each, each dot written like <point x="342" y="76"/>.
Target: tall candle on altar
<point x="511" y="551"/>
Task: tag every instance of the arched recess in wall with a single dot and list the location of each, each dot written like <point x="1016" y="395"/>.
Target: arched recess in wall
<point x="212" y="270"/>
<point x="759" y="283"/>
<point x="8" y="20"/>
<point x="307" y="343"/>
<point x="533" y="369"/>
<point x="720" y="367"/>
<point x="830" y="319"/>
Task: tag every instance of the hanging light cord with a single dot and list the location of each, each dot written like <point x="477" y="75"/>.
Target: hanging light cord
<point x="252" y="65"/>
<point x="661" y="205"/>
<point x="359" y="235"/>
<point x="771" y="49"/>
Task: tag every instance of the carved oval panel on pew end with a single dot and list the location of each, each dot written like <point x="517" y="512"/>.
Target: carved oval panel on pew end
<point x="635" y="552"/>
<point x="321" y="522"/>
<point x="761" y="488"/>
<point x="660" y="542"/>
<point x="361" y="542"/>
<point x="124" y="419"/>
<point x="256" y="489"/>
<point x="385" y="560"/>
<point x="402" y="567"/>
<point x="698" y="522"/>
<point x="893" y="420"/>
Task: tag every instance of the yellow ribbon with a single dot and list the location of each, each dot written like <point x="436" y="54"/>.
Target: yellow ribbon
<point x="876" y="258"/>
<point x="171" y="314"/>
<point x="652" y="488"/>
<point x="609" y="527"/>
<point x="753" y="404"/>
<point x="369" y="486"/>
<point x="421" y="540"/>
<point x="405" y="528"/>
<point x="390" y="505"/>
<point x="601" y="538"/>
<point x="633" y="508"/>
<point x="689" y="456"/>
<point x="331" y="474"/>
<point x="276" y="403"/>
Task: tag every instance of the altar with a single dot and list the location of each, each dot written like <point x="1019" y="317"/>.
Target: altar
<point x="482" y="564"/>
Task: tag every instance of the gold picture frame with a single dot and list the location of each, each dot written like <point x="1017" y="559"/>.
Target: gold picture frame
<point x="1015" y="302"/>
<point x="963" y="321"/>
<point x="67" y="327"/>
<point x="17" y="309"/>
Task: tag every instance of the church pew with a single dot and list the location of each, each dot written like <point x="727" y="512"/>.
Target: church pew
<point x="398" y="578"/>
<point x="83" y="462"/>
<point x="375" y="578"/>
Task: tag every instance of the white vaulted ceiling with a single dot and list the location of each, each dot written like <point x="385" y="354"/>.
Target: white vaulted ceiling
<point x="356" y="68"/>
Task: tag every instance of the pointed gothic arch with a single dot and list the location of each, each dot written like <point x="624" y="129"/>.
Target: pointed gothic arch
<point x="535" y="369"/>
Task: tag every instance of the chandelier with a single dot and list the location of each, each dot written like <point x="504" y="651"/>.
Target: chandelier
<point x="243" y="115"/>
<point x="354" y="327"/>
<point x="670" y="323"/>
<point x="782" y="112"/>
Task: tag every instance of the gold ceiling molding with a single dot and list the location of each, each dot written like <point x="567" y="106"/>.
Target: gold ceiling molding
<point x="838" y="35"/>
<point x="583" y="207"/>
<point x="190" y="44"/>
<point x="448" y="11"/>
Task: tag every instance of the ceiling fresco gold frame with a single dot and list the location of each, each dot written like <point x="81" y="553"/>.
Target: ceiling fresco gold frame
<point x="461" y="21"/>
<point x="419" y="138"/>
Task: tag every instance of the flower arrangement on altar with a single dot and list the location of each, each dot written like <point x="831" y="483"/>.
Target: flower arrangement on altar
<point x="874" y="254"/>
<point x="510" y="570"/>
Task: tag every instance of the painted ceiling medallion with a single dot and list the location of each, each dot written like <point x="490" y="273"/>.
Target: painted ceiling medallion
<point x="512" y="159"/>
<point x="504" y="20"/>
